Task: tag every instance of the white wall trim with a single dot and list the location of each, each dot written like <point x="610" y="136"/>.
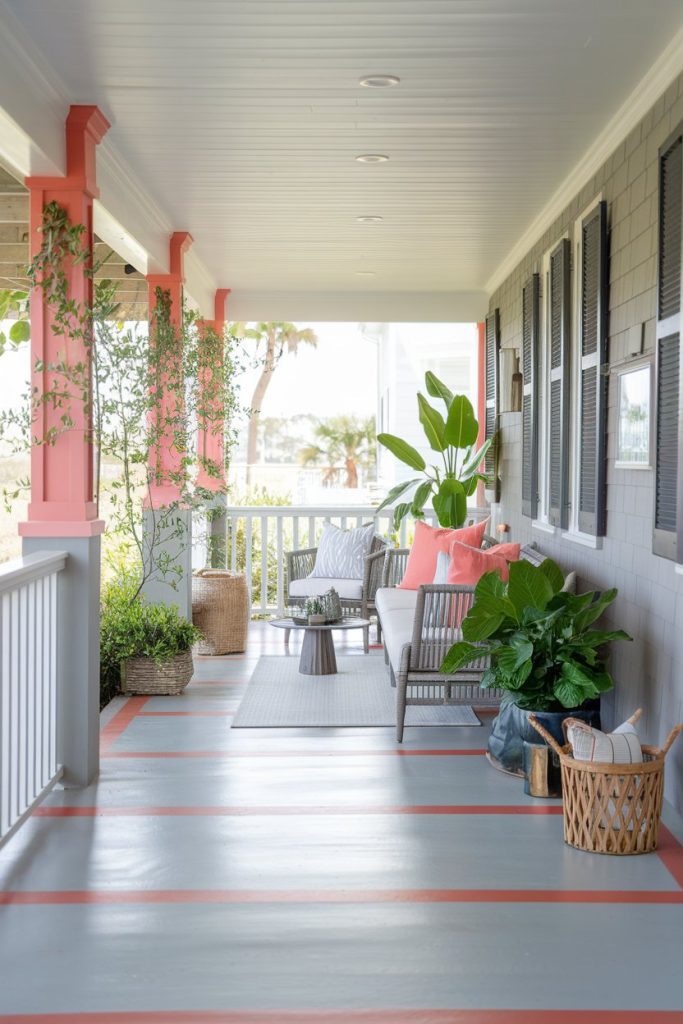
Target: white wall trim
<point x="655" y="82"/>
<point x="382" y="307"/>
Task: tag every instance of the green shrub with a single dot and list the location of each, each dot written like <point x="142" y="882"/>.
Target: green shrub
<point x="132" y="628"/>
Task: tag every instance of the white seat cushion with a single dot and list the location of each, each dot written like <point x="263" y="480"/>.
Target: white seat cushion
<point x="396" y="610"/>
<point x="312" y="586"/>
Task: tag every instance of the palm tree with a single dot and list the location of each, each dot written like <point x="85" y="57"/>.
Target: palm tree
<point x="345" y="444"/>
<point x="276" y="338"/>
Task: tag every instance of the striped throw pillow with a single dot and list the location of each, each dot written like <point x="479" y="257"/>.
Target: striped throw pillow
<point x="619" y="747"/>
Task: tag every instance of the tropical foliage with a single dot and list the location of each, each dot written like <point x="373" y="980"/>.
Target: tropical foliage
<point x="14" y="306"/>
<point x="272" y="340"/>
<point x="343" y="445"/>
<point x="539" y="638"/>
<point x="454" y="437"/>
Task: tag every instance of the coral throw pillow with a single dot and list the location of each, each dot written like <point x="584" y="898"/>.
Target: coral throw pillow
<point x="429" y="540"/>
<point x="469" y="564"/>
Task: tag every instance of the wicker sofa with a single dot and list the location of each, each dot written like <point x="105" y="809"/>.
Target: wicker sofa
<point x="419" y="628"/>
<point x="357" y="596"/>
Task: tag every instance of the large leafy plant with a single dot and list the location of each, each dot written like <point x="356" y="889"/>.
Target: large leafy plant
<point x="539" y="638"/>
<point x="454" y="438"/>
<point x="130" y="627"/>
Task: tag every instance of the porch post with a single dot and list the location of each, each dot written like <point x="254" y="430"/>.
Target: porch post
<point x="62" y="514"/>
<point x="481" y="401"/>
<point x="168" y="538"/>
<point x="211" y="439"/>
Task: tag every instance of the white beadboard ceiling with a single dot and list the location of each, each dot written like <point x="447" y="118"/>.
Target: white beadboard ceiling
<point x="242" y="118"/>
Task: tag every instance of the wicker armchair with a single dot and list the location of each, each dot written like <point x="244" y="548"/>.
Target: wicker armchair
<point x="420" y="629"/>
<point x="299" y="564"/>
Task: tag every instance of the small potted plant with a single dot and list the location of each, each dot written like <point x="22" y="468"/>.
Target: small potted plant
<point x="147" y="648"/>
<point x="315" y="611"/>
<point x="544" y="653"/>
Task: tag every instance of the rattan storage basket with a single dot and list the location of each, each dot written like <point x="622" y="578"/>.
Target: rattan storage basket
<point x="143" y="675"/>
<point x="220" y="608"/>
<point x="611" y="808"/>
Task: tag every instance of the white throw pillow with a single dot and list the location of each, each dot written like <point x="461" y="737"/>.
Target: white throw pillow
<point x="619" y="747"/>
<point x="342" y="553"/>
<point x="443" y="560"/>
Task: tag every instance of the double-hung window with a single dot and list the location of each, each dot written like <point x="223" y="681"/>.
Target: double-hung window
<point x="565" y="384"/>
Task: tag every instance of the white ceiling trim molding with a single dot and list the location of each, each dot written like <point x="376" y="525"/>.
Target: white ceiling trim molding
<point x="33" y="108"/>
<point x="371" y="307"/>
<point x="659" y="77"/>
<point x="200" y="286"/>
<point x="122" y="202"/>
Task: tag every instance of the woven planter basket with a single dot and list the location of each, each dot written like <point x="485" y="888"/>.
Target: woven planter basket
<point x="143" y="675"/>
<point x="220" y="609"/>
<point x="612" y="808"/>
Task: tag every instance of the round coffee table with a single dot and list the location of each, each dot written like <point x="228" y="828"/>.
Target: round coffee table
<point x="317" y="652"/>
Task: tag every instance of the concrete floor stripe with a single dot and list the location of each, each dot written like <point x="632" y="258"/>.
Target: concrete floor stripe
<point x="356" y="1016"/>
<point x="304" y="810"/>
<point x="185" y="714"/>
<point x="91" y="897"/>
<point x="670" y="852"/>
<point x="120" y="722"/>
<point x="217" y="754"/>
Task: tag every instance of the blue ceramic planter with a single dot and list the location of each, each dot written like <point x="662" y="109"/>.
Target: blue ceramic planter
<point x="511" y="728"/>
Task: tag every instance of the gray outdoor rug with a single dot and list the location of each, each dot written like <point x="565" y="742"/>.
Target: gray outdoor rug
<point x="359" y="694"/>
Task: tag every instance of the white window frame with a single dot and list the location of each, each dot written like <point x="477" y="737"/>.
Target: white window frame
<point x="579" y="362"/>
<point x="619" y="372"/>
<point x="542" y="521"/>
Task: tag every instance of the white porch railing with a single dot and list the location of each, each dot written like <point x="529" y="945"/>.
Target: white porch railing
<point x="258" y="536"/>
<point x="29" y="708"/>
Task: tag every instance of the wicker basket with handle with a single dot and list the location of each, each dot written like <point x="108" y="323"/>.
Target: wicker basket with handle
<point x="612" y="808"/>
<point x="143" y="675"/>
<point x="220" y="609"/>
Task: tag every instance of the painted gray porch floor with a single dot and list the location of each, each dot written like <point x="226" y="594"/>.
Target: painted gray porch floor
<point x="322" y="875"/>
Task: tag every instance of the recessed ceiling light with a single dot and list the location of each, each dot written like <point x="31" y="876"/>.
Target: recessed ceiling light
<point x="365" y="273"/>
<point x="369" y="220"/>
<point x="379" y="81"/>
<point x="372" y="158"/>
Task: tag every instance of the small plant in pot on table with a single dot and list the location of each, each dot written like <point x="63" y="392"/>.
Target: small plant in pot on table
<point x="544" y="653"/>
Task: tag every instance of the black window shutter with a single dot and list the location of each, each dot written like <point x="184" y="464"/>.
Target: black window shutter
<point x="593" y="378"/>
<point x="560" y="376"/>
<point x="530" y="374"/>
<point x="492" y="350"/>
<point x="667" y="539"/>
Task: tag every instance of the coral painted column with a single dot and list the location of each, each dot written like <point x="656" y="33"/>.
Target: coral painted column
<point x="166" y="455"/>
<point x="210" y="431"/>
<point x="62" y="515"/>
<point x="62" y="472"/>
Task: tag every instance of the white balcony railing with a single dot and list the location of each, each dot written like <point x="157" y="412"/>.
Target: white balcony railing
<point x="29" y="707"/>
<point x="258" y="536"/>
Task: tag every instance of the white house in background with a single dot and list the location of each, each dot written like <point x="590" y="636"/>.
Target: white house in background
<point x="406" y="351"/>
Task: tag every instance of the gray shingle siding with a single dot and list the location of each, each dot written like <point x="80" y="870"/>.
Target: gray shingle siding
<point x="649" y="672"/>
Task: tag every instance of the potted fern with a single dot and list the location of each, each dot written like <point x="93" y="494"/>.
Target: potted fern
<point x="544" y="653"/>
